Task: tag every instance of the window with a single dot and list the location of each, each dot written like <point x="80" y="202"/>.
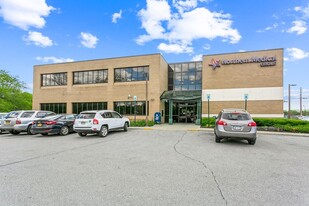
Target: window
<point x="84" y="106"/>
<point x="130" y="108"/>
<point x="26" y="114"/>
<point x="131" y="74"/>
<point x="56" y="79"/>
<point x="59" y="108"/>
<point x="185" y="76"/>
<point x="90" y="77"/>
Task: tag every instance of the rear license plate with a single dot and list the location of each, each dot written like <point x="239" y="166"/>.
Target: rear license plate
<point x="39" y="125"/>
<point x="236" y="127"/>
<point x="7" y="122"/>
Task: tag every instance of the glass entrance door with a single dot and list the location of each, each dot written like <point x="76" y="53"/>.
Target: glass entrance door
<point x="186" y="113"/>
<point x="183" y="112"/>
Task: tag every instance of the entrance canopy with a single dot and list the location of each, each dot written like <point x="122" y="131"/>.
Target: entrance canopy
<point x="181" y="95"/>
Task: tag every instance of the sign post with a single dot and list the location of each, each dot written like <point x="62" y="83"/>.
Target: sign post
<point x="208" y="98"/>
<point x="135" y="99"/>
<point x="246" y="100"/>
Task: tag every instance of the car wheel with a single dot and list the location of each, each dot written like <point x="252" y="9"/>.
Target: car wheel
<point x="218" y="139"/>
<point x="64" y="131"/>
<point x="14" y="132"/>
<point x="44" y="134"/>
<point x="251" y="141"/>
<point x="125" y="127"/>
<point x="103" y="132"/>
<point x="81" y="134"/>
<point x="29" y="130"/>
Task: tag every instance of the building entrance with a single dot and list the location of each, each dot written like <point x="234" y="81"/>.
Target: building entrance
<point x="186" y="112"/>
<point x="183" y="112"/>
<point x="182" y="107"/>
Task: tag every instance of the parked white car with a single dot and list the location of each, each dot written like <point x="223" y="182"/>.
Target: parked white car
<point x="99" y="122"/>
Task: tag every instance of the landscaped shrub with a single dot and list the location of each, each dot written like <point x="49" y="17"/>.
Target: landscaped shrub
<point x="141" y="123"/>
<point x="208" y="122"/>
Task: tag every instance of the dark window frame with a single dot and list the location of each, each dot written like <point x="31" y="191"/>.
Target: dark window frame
<point x="58" y="108"/>
<point x="89" y="77"/>
<point x="54" y="79"/>
<point x="131" y="74"/>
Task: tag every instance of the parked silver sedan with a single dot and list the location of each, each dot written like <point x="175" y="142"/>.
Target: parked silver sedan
<point x="21" y="121"/>
<point x="235" y="123"/>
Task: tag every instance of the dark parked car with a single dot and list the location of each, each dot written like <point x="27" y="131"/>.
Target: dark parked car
<point x="235" y="123"/>
<point x="57" y="124"/>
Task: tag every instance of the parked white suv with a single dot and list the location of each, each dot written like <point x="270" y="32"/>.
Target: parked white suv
<point x="99" y="122"/>
<point x="21" y="121"/>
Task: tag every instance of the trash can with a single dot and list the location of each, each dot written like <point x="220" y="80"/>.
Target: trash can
<point x="157" y="118"/>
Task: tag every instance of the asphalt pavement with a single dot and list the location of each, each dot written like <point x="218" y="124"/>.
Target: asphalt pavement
<point x="153" y="166"/>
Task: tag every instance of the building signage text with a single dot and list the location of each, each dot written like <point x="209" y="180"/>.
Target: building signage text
<point x="264" y="61"/>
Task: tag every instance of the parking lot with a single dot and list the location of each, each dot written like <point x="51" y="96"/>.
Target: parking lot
<point x="153" y="167"/>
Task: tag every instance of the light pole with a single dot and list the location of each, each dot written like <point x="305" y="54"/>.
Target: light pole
<point x="300" y="102"/>
<point x="289" y="90"/>
<point x="146" y="75"/>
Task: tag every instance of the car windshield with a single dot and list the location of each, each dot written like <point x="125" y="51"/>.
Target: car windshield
<point x="86" y="116"/>
<point x="12" y="114"/>
<point x="235" y="116"/>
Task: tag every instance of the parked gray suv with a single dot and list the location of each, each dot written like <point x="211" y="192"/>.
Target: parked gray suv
<point x="235" y="123"/>
<point x="21" y="121"/>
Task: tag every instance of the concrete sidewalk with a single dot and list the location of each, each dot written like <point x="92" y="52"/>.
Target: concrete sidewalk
<point x="193" y="127"/>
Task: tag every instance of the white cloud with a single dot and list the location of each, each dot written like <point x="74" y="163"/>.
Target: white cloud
<point x="206" y="25"/>
<point x="175" y="48"/>
<point x="197" y="57"/>
<point x="25" y="14"/>
<point x="54" y="59"/>
<point x="38" y="39"/>
<point x="88" y="40"/>
<point x="187" y="24"/>
<point x="206" y="47"/>
<point x="296" y="54"/>
<point x="299" y="27"/>
<point x="303" y="10"/>
<point x="116" y="16"/>
<point x="152" y="18"/>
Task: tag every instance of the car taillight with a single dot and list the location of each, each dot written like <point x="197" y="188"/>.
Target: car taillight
<point x="252" y="124"/>
<point x="95" y="121"/>
<point x="18" y="121"/>
<point x="50" y="122"/>
<point x="33" y="123"/>
<point x="220" y="122"/>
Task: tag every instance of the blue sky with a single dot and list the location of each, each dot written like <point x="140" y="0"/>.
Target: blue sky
<point x="52" y="31"/>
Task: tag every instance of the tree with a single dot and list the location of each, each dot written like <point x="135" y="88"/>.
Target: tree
<point x="12" y="96"/>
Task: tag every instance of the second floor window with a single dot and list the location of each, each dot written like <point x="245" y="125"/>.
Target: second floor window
<point x="56" y="79"/>
<point x="131" y="74"/>
<point x="90" y="77"/>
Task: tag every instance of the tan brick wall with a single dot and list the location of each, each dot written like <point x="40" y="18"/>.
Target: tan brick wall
<point x="253" y="107"/>
<point x="105" y="92"/>
<point x="246" y="75"/>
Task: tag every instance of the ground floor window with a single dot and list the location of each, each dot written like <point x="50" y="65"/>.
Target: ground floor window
<point x="131" y="108"/>
<point x="83" y="106"/>
<point x="59" y="108"/>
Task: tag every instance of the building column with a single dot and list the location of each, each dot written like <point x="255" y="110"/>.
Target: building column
<point x="198" y="113"/>
<point x="170" y="116"/>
